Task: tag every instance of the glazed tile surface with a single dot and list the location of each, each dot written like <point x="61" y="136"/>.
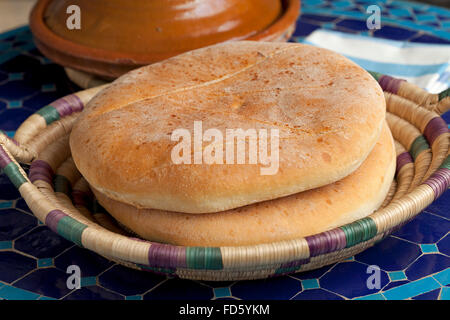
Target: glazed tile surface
<point x="413" y="262"/>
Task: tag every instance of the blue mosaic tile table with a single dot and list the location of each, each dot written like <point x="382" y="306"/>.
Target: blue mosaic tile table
<point x="414" y="261"/>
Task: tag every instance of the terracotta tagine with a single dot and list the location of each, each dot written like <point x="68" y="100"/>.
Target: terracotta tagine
<point x="116" y="36"/>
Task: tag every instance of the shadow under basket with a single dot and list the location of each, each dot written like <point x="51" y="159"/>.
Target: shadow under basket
<point x="58" y="195"/>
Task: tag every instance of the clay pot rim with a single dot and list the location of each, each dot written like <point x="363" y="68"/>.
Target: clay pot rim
<point x="57" y="43"/>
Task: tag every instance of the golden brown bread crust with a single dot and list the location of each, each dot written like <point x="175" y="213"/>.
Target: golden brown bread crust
<point x="298" y="215"/>
<point x="328" y="110"/>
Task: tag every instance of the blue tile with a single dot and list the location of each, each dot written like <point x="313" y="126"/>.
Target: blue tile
<point x="425" y="17"/>
<point x="356" y="284"/>
<point x="10" y="119"/>
<point x="138" y="297"/>
<point x="431" y="295"/>
<point x="93" y="293"/>
<point x="14" y="223"/>
<point x="6" y="204"/>
<point x="312" y="274"/>
<point x="424" y="228"/>
<point x="222" y="292"/>
<point x="427" y="264"/>
<point x="444" y="245"/>
<point x="90" y="263"/>
<point x="88" y="281"/>
<point x="395" y="284"/>
<point x="14" y="265"/>
<point x="391" y="254"/>
<point x="42" y="243"/>
<point x="375" y="296"/>
<point x="128" y="281"/>
<point x="443" y="277"/>
<point x="20" y="63"/>
<point x="304" y="28"/>
<point x="402" y="12"/>
<point x="441" y="206"/>
<point x="15" y="76"/>
<point x="273" y="288"/>
<point x="353" y="24"/>
<point x="397" y="275"/>
<point x="445" y="293"/>
<point x="14" y="104"/>
<point x="317" y="294"/>
<point x="318" y="18"/>
<point x="179" y="289"/>
<point x="429" y="248"/>
<point x="46" y="262"/>
<point x="310" y="284"/>
<point x="21" y="204"/>
<point x="8" y="190"/>
<point x="5" y="245"/>
<point x="16" y="90"/>
<point x="411" y="289"/>
<point x="12" y="293"/>
<point x="49" y="282"/>
<point x="393" y="33"/>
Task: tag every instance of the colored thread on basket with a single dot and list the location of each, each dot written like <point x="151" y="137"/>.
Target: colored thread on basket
<point x="359" y="231"/>
<point x="62" y="184"/>
<point x="49" y="114"/>
<point x="327" y="241"/>
<point x="166" y="256"/>
<point x="204" y="258"/>
<point x="68" y="105"/>
<point x="444" y="94"/>
<point x="403" y="159"/>
<point x="419" y="144"/>
<point x="40" y="170"/>
<point x="435" y="127"/>
<point x="389" y="83"/>
<point x="65" y="226"/>
<point x="439" y="181"/>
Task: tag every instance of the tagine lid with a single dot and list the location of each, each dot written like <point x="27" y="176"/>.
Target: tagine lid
<point x="118" y="35"/>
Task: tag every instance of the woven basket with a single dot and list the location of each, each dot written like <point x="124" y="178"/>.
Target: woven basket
<point x="60" y="197"/>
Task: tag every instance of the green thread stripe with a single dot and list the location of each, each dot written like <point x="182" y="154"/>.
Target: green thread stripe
<point x="420" y="144"/>
<point x="13" y="173"/>
<point x="376" y="75"/>
<point x="204" y="258"/>
<point x="446" y="163"/>
<point x="49" y="113"/>
<point x="70" y="229"/>
<point x="62" y="184"/>
<point x="359" y="231"/>
<point x="444" y="94"/>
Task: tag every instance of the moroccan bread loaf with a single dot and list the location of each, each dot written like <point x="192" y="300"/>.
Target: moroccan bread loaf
<point x="327" y="111"/>
<point x="299" y="215"/>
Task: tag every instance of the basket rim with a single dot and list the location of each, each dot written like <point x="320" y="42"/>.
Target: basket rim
<point x="286" y="252"/>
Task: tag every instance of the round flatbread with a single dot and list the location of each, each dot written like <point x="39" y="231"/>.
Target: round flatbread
<point x="298" y="215"/>
<point x="326" y="111"/>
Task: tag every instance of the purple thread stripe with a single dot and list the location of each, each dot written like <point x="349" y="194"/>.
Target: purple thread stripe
<point x="166" y="256"/>
<point x="52" y="219"/>
<point x="4" y="158"/>
<point x="389" y="83"/>
<point x="325" y="242"/>
<point x="434" y="129"/>
<point x="439" y="181"/>
<point x="295" y="263"/>
<point x="67" y="105"/>
<point x="403" y="159"/>
<point x="41" y="170"/>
